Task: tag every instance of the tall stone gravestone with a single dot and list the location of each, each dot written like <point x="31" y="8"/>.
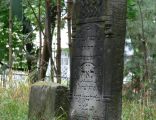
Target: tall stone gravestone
<point x="17" y="9"/>
<point x="97" y="59"/>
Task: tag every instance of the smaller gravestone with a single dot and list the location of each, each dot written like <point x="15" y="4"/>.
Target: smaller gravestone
<point x="47" y="100"/>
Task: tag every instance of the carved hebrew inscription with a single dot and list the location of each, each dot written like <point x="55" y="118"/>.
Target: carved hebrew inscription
<point x="87" y="92"/>
<point x="88" y="40"/>
<point x="87" y="99"/>
<point x="97" y="59"/>
<point x="90" y="8"/>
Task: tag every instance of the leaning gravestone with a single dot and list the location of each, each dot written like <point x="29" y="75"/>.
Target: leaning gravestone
<point x="47" y="101"/>
<point x="97" y="59"/>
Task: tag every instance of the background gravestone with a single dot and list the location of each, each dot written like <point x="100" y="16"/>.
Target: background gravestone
<point x="47" y="101"/>
<point x="97" y="59"/>
<point x="17" y="9"/>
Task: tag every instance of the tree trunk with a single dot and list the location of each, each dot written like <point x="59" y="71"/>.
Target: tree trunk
<point x="69" y="18"/>
<point x="53" y="16"/>
<point x="10" y="41"/>
<point x="58" y="56"/>
<point x="144" y="44"/>
<point x="69" y="15"/>
<point x="99" y="28"/>
<point x="47" y="41"/>
<point x="40" y="37"/>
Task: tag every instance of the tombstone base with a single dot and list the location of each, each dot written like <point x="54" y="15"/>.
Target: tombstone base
<point x="47" y="100"/>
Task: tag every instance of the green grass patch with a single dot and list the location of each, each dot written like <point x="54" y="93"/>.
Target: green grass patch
<point x="14" y="103"/>
<point x="135" y="110"/>
<point x="14" y="106"/>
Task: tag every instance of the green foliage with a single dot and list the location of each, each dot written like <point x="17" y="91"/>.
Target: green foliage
<point x="14" y="106"/>
<point x="19" y="39"/>
<point x="131" y="9"/>
<point x="14" y="103"/>
<point x="35" y="4"/>
<point x="141" y="25"/>
<point x="136" y="28"/>
<point x="134" y="110"/>
<point x="4" y="15"/>
<point x="18" y="45"/>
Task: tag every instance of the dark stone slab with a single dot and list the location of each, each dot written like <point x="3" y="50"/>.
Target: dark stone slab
<point x="47" y="101"/>
<point x="97" y="59"/>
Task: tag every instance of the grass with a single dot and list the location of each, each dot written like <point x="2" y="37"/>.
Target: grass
<point x="14" y="103"/>
<point x="14" y="106"/>
<point x="134" y="110"/>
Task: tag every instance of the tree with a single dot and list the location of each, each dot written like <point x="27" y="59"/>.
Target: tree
<point x="141" y="31"/>
<point x="18" y="53"/>
<point x="26" y="22"/>
<point x="10" y="40"/>
<point x="58" y="56"/>
<point x="47" y="40"/>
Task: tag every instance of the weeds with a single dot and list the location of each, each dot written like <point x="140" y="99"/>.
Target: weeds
<point x="135" y="110"/>
<point x="14" y="106"/>
<point x="14" y="103"/>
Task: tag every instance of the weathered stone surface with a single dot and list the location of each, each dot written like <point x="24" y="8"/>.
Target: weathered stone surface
<point x="47" y="101"/>
<point x="97" y="59"/>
